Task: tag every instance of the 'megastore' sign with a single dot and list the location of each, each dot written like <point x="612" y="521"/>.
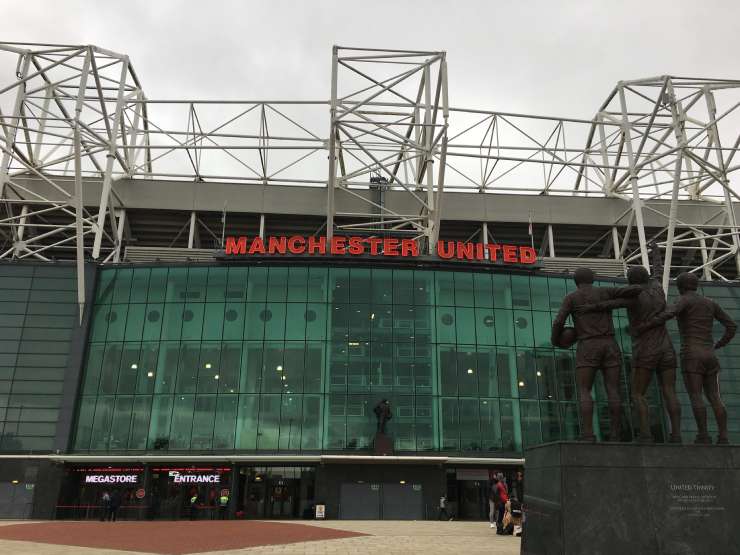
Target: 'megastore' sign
<point x="340" y="245"/>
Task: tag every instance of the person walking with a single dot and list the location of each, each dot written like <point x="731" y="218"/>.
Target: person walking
<point x="115" y="503"/>
<point x="104" y="506"/>
<point x="493" y="502"/>
<point x="503" y="498"/>
<point x="443" y="509"/>
<point x="223" y="506"/>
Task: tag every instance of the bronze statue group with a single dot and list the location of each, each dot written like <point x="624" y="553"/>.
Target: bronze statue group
<point x="590" y="308"/>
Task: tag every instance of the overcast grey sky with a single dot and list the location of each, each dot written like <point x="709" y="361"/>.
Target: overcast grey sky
<point x="543" y="57"/>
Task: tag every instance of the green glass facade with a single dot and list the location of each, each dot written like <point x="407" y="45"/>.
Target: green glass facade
<point x="38" y="312"/>
<point x="293" y="359"/>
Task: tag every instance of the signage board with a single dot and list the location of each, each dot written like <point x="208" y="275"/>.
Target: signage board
<point x="320" y="511"/>
<point x="353" y="246"/>
<point x="111" y="479"/>
<point x="178" y="477"/>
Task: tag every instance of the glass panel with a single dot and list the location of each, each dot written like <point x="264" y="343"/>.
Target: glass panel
<point x="448" y="369"/>
<point x="315" y="318"/>
<point x="109" y="369"/>
<point x="121" y="424"/>
<point x="277" y="284"/>
<point x="213" y="321"/>
<point x="465" y="325"/>
<point x="483" y="290"/>
<point x="236" y="285"/>
<point x="423" y="287"/>
<point x="122" y="285"/>
<point x="251" y="373"/>
<point x="159" y="426"/>
<point x="317" y="285"/>
<point x="290" y="422"/>
<point x="204" y="419"/>
<point x="140" y="285"/>
<point x="153" y="322"/>
<point x="157" y="285"/>
<point x="177" y="281"/>
<point x="445" y="288"/>
<point x="233" y="321"/>
<point x="269" y="423"/>
<point x="450" y="425"/>
<point x="166" y="374"/>
<point x="463" y="289"/>
<point x="101" y="425"/>
<point x="360" y="285"/>
<point x="338" y="285"/>
<point x="274" y="318"/>
<point x="254" y="325"/>
<point x="117" y="322"/>
<point x="469" y="425"/>
<point x="403" y="286"/>
<point x="192" y="320"/>
<point x="225" y="422"/>
<point x="297" y="284"/>
<point x="257" y="284"/>
<point x="490" y="425"/>
<point x="445" y="324"/>
<point x="467" y="374"/>
<point x="140" y="422"/>
<point x="187" y="372"/>
<point x="246" y="423"/>
<point x="182" y="422"/>
<point x="172" y="321"/>
<point x="295" y="321"/>
<point x="382" y="287"/>
<point x="231" y="354"/>
<point x="216" y="291"/>
<point x="311" y="430"/>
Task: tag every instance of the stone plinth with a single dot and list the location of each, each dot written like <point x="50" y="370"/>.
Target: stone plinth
<point x="616" y="498"/>
<point x="383" y="444"/>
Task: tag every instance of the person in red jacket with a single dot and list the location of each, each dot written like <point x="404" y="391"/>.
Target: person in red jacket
<point x="502" y="492"/>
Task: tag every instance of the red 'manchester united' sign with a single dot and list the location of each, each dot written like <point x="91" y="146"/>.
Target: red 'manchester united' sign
<point x="340" y="245"/>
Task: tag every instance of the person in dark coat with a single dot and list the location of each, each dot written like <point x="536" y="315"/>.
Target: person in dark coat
<point x="115" y="504"/>
<point x="696" y="315"/>
<point x="597" y="348"/>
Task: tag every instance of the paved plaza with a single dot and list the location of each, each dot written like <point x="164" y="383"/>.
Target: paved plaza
<point x="246" y="537"/>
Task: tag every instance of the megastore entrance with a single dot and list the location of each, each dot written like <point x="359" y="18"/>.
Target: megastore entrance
<point x="347" y="490"/>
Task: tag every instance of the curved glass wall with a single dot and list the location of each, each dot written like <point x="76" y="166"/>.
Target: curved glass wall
<point x="277" y="358"/>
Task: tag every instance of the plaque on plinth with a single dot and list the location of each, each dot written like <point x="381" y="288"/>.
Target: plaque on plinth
<point x="620" y="498"/>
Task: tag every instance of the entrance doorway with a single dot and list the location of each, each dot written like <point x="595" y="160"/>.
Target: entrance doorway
<point x="363" y="501"/>
<point x="276" y="492"/>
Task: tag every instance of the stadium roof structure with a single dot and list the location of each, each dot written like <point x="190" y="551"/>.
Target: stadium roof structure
<point x="91" y="167"/>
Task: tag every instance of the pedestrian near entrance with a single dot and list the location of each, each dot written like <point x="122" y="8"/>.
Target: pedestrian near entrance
<point x="443" y="509"/>
<point x="503" y="497"/>
<point x="115" y="503"/>
<point x="492" y="503"/>
<point x="223" y="506"/>
<point x="104" y="506"/>
<point x="193" y="505"/>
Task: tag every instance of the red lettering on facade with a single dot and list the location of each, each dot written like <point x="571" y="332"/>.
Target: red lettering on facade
<point x="374" y="243"/>
<point x="409" y="247"/>
<point x="510" y="253"/>
<point x="376" y="246"/>
<point x="257" y="246"/>
<point x="317" y="245"/>
<point x="355" y="246"/>
<point x="296" y="245"/>
<point x="390" y="247"/>
<point x="527" y="255"/>
<point x="277" y="245"/>
<point x="445" y="249"/>
<point x="338" y="245"/>
<point x="464" y="250"/>
<point x="236" y="245"/>
<point x="493" y="250"/>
